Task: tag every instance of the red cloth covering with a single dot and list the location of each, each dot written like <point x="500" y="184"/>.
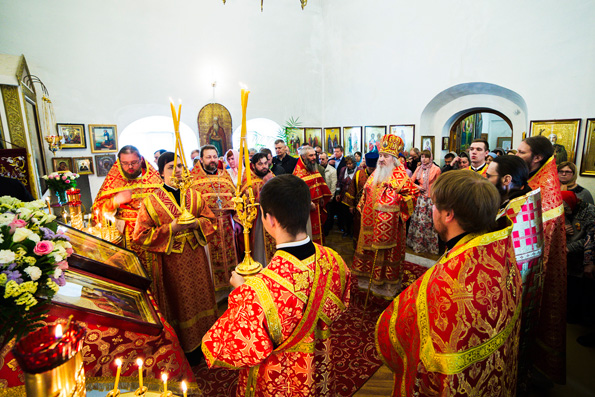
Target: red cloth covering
<point x="102" y="345"/>
<point x="455" y="330"/>
<point x="550" y="347"/>
<point x="320" y="194"/>
<point x="277" y="327"/>
<point x="222" y="247"/>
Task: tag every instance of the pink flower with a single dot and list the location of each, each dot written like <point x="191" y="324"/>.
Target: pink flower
<point x="67" y="181"/>
<point x="18" y="223"/>
<point x="69" y="251"/>
<point x="44" y="247"/>
<point x="62" y="265"/>
<point x="64" y="177"/>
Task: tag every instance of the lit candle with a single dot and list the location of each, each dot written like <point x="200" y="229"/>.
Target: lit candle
<point x="47" y="201"/>
<point x="65" y="217"/>
<point x="164" y="379"/>
<point x="58" y="331"/>
<point x="184" y="389"/>
<point x="244" y="143"/>
<point x="119" y="364"/>
<point x="139" y="362"/>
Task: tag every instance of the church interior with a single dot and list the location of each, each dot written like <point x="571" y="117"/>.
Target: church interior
<point x="108" y="70"/>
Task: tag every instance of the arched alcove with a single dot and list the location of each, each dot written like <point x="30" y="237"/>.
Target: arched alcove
<point x="152" y="133"/>
<point x="450" y="105"/>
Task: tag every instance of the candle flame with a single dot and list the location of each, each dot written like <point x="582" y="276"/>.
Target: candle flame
<point x="171" y="100"/>
<point x="59" y="331"/>
<point x="184" y="387"/>
<point x="139" y="362"/>
<point x="243" y="86"/>
<point x="164" y="377"/>
<point x="118" y="362"/>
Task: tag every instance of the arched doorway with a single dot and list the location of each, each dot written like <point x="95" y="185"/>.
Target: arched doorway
<point x="451" y="106"/>
<point x="488" y="124"/>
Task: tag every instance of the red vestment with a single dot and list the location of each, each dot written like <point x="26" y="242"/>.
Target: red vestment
<point x="262" y="244"/>
<point x="527" y="240"/>
<point x="455" y="330"/>
<point x="218" y="191"/>
<point x="182" y="278"/>
<point x="550" y="346"/>
<point x="277" y="326"/>
<point x="126" y="214"/>
<point x="384" y="208"/>
<point x="320" y="194"/>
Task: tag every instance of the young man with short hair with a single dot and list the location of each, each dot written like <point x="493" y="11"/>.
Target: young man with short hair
<point x="478" y="151"/>
<point x="455" y="330"/>
<point x="277" y="327"/>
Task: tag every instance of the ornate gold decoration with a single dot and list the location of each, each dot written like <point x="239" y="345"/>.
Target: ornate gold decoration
<point x="14" y="118"/>
<point x="244" y="204"/>
<point x="185" y="180"/>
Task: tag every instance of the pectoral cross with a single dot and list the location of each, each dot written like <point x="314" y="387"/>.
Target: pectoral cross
<point x="219" y="203"/>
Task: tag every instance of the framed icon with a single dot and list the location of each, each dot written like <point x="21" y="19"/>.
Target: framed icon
<point x="332" y="138"/>
<point x="83" y="165"/>
<point x="563" y="134"/>
<point x="588" y="159"/>
<point x="372" y="137"/>
<point x="313" y="136"/>
<point x="62" y="164"/>
<point x="104" y="163"/>
<point x="352" y="140"/>
<point x="73" y="136"/>
<point x="104" y="138"/>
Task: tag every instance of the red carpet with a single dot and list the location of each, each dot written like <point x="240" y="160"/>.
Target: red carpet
<point x="354" y="352"/>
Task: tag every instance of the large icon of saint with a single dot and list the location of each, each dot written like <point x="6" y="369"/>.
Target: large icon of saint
<point x="216" y="136"/>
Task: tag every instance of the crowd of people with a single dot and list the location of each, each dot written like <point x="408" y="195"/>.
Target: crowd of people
<point x="515" y="230"/>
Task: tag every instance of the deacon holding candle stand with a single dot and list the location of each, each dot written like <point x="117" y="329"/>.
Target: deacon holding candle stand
<point x="176" y="223"/>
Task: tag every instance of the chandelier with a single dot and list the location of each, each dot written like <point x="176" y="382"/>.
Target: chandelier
<point x="304" y="2"/>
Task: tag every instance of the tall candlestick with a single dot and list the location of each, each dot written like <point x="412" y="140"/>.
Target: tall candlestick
<point x="139" y="362"/>
<point x="184" y="389"/>
<point x="164" y="379"/>
<point x="119" y="364"/>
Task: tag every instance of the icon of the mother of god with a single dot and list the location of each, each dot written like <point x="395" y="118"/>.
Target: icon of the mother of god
<point x="216" y="136"/>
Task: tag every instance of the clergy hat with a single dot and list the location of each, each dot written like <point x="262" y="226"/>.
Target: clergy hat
<point x="391" y="144"/>
<point x="371" y="159"/>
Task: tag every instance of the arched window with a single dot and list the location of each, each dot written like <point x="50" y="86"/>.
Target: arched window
<point x="150" y="134"/>
<point x="261" y="133"/>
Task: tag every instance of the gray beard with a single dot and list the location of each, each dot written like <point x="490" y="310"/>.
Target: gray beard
<point x="383" y="173"/>
<point x="310" y="166"/>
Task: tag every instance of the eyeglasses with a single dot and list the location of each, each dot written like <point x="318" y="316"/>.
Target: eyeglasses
<point x="130" y="164"/>
<point x="565" y="172"/>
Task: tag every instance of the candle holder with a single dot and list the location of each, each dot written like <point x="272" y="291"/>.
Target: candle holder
<point x="53" y="365"/>
<point x="74" y="207"/>
<point x="247" y="211"/>
<point x="53" y="143"/>
<point x="183" y="183"/>
<point x="141" y="391"/>
<point x="113" y="393"/>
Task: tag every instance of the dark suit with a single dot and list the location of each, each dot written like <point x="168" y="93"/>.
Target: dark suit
<point x="288" y="163"/>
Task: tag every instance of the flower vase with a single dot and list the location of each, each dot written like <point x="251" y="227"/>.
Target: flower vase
<point x="61" y="195"/>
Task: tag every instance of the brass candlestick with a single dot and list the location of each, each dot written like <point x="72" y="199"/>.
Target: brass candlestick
<point x="183" y="183"/>
<point x="247" y="211"/>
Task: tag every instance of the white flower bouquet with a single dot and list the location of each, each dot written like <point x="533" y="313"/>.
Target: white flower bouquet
<point x="32" y="258"/>
<point x="61" y="180"/>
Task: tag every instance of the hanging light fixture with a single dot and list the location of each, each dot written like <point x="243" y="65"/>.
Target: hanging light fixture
<point x="304" y="3"/>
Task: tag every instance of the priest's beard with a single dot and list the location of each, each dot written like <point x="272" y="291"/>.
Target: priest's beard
<point x="133" y="175"/>
<point x="261" y="174"/>
<point x="310" y="165"/>
<point x="383" y="172"/>
<point x="211" y="167"/>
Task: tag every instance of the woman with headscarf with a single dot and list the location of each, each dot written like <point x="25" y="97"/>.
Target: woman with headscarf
<point x="231" y="159"/>
<point x="422" y="237"/>
<point x="567" y="174"/>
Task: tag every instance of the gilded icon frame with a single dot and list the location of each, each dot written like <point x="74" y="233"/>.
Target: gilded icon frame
<point x="567" y="133"/>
